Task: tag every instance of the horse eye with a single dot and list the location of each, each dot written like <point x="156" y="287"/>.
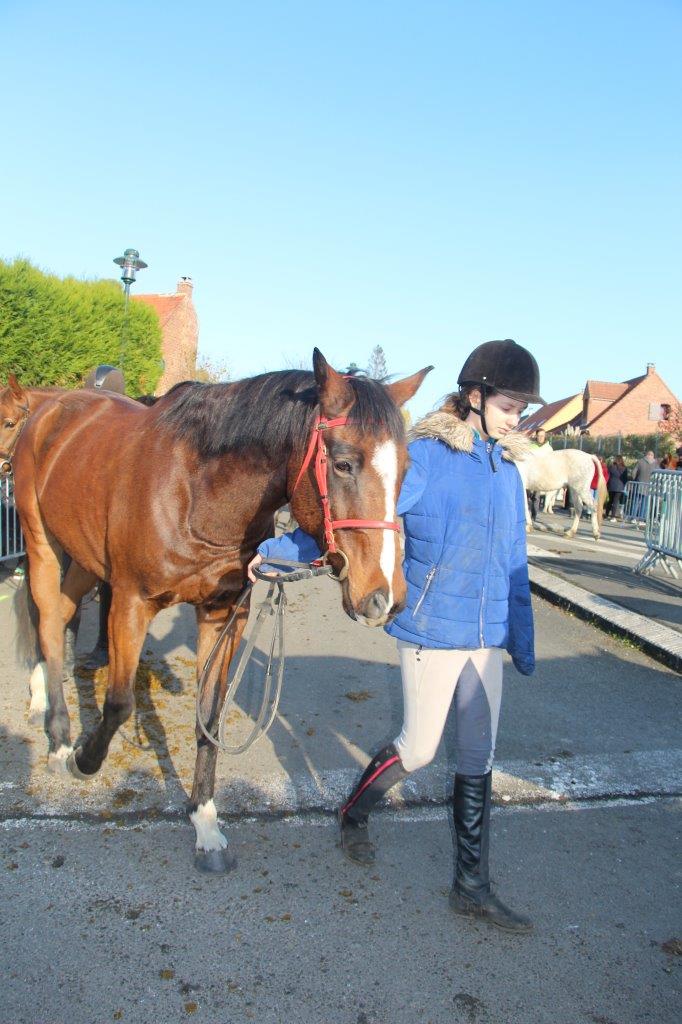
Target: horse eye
<point x="9" y="424"/>
<point x="343" y="467"/>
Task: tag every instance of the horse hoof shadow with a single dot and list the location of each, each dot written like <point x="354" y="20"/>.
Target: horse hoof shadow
<point x="214" y="862"/>
<point x="97" y="658"/>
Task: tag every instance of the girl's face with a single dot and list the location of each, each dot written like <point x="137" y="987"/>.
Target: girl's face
<point x="502" y="414"/>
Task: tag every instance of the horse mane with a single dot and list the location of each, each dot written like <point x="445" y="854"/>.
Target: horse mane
<point x="272" y="413"/>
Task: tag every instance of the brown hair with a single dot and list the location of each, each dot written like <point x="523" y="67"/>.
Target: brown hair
<point x="458" y="403"/>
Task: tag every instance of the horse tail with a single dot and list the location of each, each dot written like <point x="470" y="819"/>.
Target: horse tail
<point x="26" y="616"/>
<point x="602" y="493"/>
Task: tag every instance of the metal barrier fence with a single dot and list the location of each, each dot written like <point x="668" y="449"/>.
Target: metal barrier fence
<point x="663" y="535"/>
<point x="635" y="501"/>
<point x="11" y="538"/>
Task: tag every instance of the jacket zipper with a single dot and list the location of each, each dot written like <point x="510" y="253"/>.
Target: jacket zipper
<point x="425" y="589"/>
<point x="489" y="448"/>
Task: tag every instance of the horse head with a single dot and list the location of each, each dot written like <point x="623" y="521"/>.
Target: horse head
<point x="344" y="490"/>
<point x="14" y="411"/>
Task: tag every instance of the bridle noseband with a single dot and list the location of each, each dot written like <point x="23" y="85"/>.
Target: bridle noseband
<point x="6" y="460"/>
<point x="318" y="448"/>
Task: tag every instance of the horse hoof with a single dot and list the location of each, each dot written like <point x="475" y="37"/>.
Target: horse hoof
<point x="58" y="760"/>
<point x="214" y="862"/>
<point x="73" y="766"/>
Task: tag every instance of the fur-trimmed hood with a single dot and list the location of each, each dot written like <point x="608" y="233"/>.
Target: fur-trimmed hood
<point x="458" y="435"/>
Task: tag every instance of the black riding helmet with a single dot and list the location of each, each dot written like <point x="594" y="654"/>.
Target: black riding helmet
<point x="505" y="367"/>
<point x="105" y="378"/>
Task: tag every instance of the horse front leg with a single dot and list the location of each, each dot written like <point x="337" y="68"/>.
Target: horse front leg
<point x="128" y="622"/>
<point x="46" y="683"/>
<point x="211" y="851"/>
<point x="529" y="520"/>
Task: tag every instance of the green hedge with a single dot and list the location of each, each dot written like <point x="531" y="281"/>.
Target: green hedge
<point x="630" y="446"/>
<point x="53" y="331"/>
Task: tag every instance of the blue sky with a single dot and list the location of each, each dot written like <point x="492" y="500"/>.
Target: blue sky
<point x="423" y="176"/>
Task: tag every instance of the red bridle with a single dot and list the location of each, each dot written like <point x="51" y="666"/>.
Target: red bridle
<point x="317" y="442"/>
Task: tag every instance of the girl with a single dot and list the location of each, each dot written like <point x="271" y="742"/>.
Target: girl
<point x="468" y="599"/>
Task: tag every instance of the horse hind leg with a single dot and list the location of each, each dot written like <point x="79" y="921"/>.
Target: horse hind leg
<point x="129" y="619"/>
<point x="577" y="504"/>
<point x="211" y="851"/>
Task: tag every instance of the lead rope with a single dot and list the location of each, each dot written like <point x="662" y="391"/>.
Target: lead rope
<point x="274" y="604"/>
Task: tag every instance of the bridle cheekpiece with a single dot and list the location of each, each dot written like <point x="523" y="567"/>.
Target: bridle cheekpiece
<point x="318" y="448"/>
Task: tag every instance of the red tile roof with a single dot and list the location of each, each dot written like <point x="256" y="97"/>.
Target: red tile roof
<point x="165" y="305"/>
<point x="605" y="391"/>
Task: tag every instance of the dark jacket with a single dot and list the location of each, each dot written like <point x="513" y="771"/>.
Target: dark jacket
<point x="617" y="478"/>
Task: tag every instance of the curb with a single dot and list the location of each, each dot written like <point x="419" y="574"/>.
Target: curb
<point x="660" y="642"/>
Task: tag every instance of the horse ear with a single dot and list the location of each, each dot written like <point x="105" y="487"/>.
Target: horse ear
<point x="16" y="388"/>
<point x="336" y="395"/>
<point x="402" y="390"/>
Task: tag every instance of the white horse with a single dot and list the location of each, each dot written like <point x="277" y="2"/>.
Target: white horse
<point x="550" y="471"/>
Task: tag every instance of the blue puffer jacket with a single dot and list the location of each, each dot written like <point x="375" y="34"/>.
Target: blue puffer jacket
<point x="463" y="508"/>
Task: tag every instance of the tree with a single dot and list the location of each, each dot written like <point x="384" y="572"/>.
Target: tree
<point x="212" y="371"/>
<point x="377" y="368"/>
<point x="53" y="331"/>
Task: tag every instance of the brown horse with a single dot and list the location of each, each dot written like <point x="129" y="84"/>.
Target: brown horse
<point x="168" y="503"/>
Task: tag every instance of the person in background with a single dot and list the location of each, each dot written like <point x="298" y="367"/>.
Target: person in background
<point x="468" y="599"/>
<point x="642" y="475"/>
<point x="535" y="499"/>
<point x="618" y="477"/>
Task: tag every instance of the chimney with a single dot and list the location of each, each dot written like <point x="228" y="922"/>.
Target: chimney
<point x="650" y="368"/>
<point x="185" y="286"/>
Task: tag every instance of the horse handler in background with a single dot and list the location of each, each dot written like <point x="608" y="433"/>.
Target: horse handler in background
<point x="468" y="599"/>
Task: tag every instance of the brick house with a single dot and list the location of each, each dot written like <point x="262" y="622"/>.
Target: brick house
<point x="180" y="331"/>
<point x="637" y="406"/>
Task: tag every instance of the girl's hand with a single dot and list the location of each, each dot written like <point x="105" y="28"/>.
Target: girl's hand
<point x="253" y="564"/>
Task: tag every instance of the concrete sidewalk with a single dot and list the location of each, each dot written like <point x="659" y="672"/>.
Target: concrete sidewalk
<point x="595" y="579"/>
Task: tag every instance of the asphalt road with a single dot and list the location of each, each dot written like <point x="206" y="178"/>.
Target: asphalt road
<point x="105" y="919"/>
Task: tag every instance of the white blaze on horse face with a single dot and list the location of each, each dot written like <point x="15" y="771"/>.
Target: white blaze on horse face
<point x="385" y="462"/>
<point x="205" y="821"/>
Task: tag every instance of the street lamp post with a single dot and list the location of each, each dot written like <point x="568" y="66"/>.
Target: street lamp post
<point x="130" y="263"/>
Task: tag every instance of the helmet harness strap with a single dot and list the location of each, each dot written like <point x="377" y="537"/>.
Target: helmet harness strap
<point x="481" y="412"/>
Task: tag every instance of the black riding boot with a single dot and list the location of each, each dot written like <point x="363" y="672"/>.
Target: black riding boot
<point x="471" y="894"/>
<point x="382" y="772"/>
